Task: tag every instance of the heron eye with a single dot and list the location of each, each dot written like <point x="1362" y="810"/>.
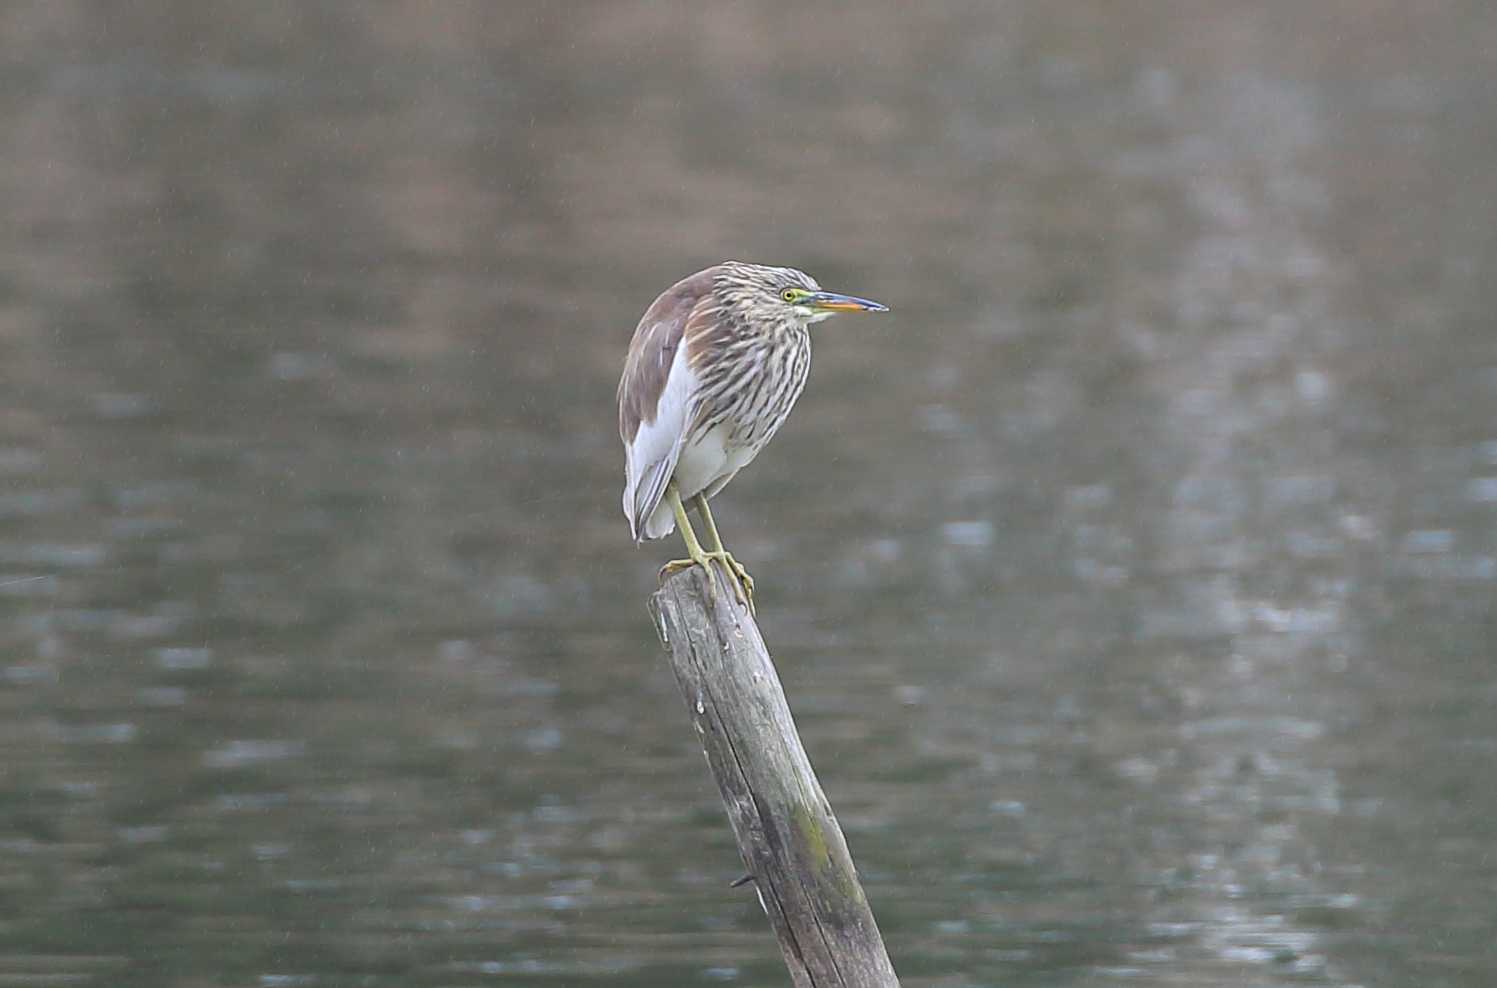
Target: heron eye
<point x="789" y="294"/>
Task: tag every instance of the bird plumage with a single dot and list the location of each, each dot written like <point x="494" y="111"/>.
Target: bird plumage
<point x="713" y="370"/>
<point x="715" y="365"/>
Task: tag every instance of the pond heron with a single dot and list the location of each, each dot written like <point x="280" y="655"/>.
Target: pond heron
<point x="713" y="370"/>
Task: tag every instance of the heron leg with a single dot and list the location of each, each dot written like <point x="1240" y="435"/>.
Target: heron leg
<point x="697" y="555"/>
<point x="740" y="575"/>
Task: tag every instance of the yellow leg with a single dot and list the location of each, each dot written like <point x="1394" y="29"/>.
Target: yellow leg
<point x="735" y="568"/>
<point x="697" y="555"/>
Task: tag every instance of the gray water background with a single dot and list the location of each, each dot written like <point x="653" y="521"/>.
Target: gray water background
<point x="1132" y="582"/>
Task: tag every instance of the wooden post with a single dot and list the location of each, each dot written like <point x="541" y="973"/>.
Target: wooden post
<point x="787" y="835"/>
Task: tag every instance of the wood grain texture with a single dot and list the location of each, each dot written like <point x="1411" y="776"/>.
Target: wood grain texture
<point x="789" y="839"/>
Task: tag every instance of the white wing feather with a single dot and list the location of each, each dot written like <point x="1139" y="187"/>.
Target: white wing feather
<point x="651" y="458"/>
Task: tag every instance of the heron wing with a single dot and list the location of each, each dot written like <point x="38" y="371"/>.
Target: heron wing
<point x="652" y="458"/>
<point x="656" y="395"/>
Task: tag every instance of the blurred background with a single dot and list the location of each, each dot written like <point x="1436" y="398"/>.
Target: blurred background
<point x="1132" y="582"/>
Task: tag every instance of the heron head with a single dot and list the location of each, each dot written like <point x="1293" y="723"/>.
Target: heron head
<point x="814" y="305"/>
<point x="781" y="292"/>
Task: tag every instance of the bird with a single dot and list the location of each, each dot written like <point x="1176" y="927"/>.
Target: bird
<point x="712" y="372"/>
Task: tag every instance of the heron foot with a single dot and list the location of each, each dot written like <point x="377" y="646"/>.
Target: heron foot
<point x="743" y="584"/>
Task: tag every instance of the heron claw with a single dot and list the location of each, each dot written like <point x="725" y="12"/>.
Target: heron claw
<point x="743" y="584"/>
<point x="677" y="565"/>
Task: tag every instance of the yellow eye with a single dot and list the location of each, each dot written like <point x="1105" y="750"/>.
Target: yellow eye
<point x="790" y="295"/>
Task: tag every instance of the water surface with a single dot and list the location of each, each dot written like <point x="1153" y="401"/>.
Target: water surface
<point x="1132" y="581"/>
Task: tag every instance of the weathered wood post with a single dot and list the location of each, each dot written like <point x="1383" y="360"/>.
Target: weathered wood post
<point x="787" y="835"/>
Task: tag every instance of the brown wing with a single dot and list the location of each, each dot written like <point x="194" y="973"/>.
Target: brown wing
<point x="652" y="349"/>
<point x="653" y="408"/>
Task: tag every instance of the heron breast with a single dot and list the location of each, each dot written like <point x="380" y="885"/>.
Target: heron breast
<point x="708" y="458"/>
<point x="742" y="406"/>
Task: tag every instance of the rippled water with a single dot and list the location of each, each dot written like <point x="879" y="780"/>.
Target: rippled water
<point x="1133" y="582"/>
